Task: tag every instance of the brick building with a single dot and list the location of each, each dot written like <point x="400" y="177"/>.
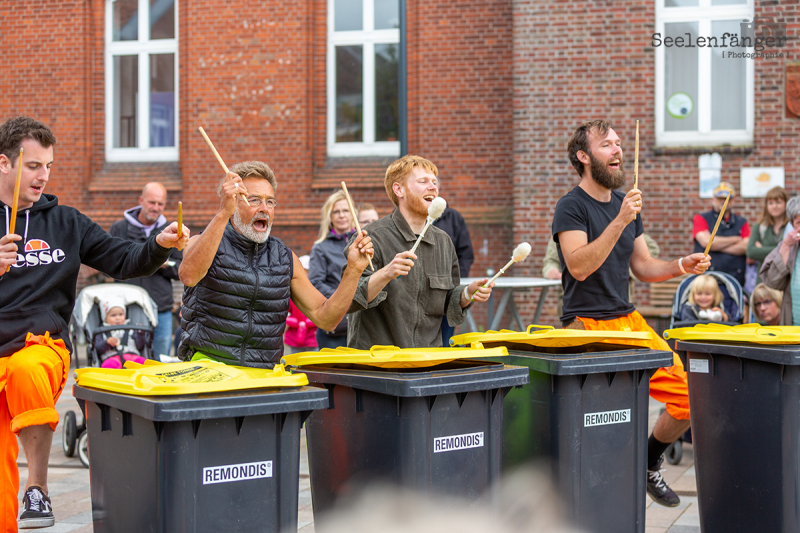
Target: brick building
<point x="494" y="89"/>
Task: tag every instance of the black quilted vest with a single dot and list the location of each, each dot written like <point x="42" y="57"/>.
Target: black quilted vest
<point x="237" y="312"/>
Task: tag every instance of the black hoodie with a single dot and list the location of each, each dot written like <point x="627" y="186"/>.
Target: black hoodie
<point x="38" y="293"/>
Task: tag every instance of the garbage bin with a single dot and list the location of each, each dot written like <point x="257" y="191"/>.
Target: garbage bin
<point x="423" y="419"/>
<point x="201" y="458"/>
<point x="585" y="413"/>
<point x="744" y="393"/>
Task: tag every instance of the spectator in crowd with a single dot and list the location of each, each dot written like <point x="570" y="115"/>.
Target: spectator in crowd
<point x="137" y="225"/>
<point x="367" y="214"/>
<point x="301" y="333"/>
<point x="776" y="272"/>
<point x="766" y="304"/>
<point x="452" y="223"/>
<point x="327" y="259"/>
<point x="769" y="231"/>
<point x="730" y="243"/>
<point x="117" y="346"/>
<point x="705" y="300"/>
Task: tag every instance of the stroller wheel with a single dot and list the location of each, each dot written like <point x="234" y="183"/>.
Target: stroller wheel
<point x="69" y="434"/>
<point x="83" y="449"/>
<point x="674" y="453"/>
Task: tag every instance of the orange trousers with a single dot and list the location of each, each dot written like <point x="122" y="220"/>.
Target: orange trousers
<point x="668" y="385"/>
<point x="31" y="380"/>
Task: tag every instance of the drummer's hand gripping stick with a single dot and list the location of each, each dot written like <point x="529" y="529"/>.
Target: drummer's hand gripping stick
<point x="435" y="210"/>
<point x="521" y="252"/>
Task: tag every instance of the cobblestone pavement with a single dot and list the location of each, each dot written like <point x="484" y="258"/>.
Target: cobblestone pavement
<point x="70" y="491"/>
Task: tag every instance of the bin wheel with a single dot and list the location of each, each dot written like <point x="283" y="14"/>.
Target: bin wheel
<point x="674" y="453"/>
<point x="69" y="434"/>
<point x="83" y="449"/>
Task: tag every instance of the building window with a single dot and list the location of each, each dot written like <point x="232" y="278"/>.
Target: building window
<point x="363" y="77"/>
<point x="704" y="82"/>
<point x="141" y="80"/>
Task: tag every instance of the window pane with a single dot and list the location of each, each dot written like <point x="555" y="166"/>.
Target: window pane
<point x="386" y="92"/>
<point x="162" y="19"/>
<point x="387" y="14"/>
<point x="349" y="94"/>
<point x="348" y="15"/>
<point x="728" y="82"/>
<point x="680" y="78"/>
<point x="680" y="3"/>
<point x="162" y="100"/>
<point x="126" y="85"/>
<point x="728" y="2"/>
<point x="125" y="20"/>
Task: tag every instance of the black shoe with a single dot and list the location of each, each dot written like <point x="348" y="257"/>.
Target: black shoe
<point x="658" y="489"/>
<point x="37" y="510"/>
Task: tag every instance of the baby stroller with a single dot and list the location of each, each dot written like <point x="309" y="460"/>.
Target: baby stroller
<point x="86" y="325"/>
<point x="732" y="302"/>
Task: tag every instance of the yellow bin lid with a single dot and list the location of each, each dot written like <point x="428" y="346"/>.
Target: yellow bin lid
<point x="158" y="379"/>
<point x="549" y="337"/>
<point x="755" y="333"/>
<point x="389" y="356"/>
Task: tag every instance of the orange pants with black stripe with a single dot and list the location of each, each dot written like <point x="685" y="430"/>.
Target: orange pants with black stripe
<point x="31" y="380"/>
<point x="668" y="385"/>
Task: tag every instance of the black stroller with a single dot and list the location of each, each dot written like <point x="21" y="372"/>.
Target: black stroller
<point x="86" y="325"/>
<point x="732" y="302"/>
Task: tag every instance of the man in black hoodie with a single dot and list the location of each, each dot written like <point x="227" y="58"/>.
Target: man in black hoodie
<point x="138" y="224"/>
<point x="39" y="264"/>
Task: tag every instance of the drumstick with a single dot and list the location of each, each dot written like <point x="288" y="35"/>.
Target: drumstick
<point x="180" y="220"/>
<point x="216" y="154"/>
<point x="355" y="218"/>
<point x="520" y="253"/>
<point x="15" y="203"/>
<point x="719" y="219"/>
<point x="636" y="159"/>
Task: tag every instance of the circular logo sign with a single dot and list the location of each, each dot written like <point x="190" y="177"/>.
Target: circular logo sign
<point x="680" y="105"/>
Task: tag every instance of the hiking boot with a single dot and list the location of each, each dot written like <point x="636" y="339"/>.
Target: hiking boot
<point x="658" y="489"/>
<point x="37" y="511"/>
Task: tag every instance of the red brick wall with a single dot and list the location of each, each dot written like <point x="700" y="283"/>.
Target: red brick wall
<point x="576" y="60"/>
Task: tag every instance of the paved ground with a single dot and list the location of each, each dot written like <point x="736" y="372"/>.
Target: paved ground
<point x="69" y="487"/>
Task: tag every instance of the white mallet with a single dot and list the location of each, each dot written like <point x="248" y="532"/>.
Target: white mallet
<point x="435" y="210"/>
<point x="521" y="252"/>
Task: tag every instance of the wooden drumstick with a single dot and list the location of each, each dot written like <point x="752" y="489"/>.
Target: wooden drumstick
<point x="716" y="227"/>
<point x="216" y="154"/>
<point x="636" y="159"/>
<point x="180" y="220"/>
<point x="12" y="224"/>
<point x="355" y="218"/>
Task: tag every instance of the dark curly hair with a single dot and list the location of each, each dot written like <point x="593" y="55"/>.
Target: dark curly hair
<point x="15" y="130"/>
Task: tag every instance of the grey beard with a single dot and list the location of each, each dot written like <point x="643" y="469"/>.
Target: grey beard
<point x="248" y="231"/>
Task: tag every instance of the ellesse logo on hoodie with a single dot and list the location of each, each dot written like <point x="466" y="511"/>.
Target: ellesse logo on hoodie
<point x="38" y="252"/>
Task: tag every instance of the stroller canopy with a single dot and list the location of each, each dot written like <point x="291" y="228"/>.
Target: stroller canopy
<point x="130" y="294"/>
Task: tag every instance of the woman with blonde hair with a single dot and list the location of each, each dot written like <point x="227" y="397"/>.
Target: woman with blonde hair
<point x="766" y="304"/>
<point x="765" y="236"/>
<point x="328" y="259"/>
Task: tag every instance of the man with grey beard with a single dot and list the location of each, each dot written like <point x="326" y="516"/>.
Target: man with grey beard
<point x="599" y="234"/>
<point x="239" y="279"/>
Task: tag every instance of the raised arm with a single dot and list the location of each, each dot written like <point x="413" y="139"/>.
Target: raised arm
<point x="200" y="252"/>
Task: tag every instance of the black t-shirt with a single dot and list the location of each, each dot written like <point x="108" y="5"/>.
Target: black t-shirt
<point x="604" y="294"/>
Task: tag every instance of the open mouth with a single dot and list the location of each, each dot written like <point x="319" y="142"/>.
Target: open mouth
<point x="615" y="164"/>
<point x="429" y="198"/>
<point x="260" y="225"/>
<point x="36" y="190"/>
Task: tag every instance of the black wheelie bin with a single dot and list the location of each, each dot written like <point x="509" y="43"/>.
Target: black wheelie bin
<point x="196" y="446"/>
<point x="584" y="414"/>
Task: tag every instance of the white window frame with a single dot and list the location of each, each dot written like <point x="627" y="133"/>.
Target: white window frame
<point x="143" y="47"/>
<point x="368" y="37"/>
<point x="704" y="136"/>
